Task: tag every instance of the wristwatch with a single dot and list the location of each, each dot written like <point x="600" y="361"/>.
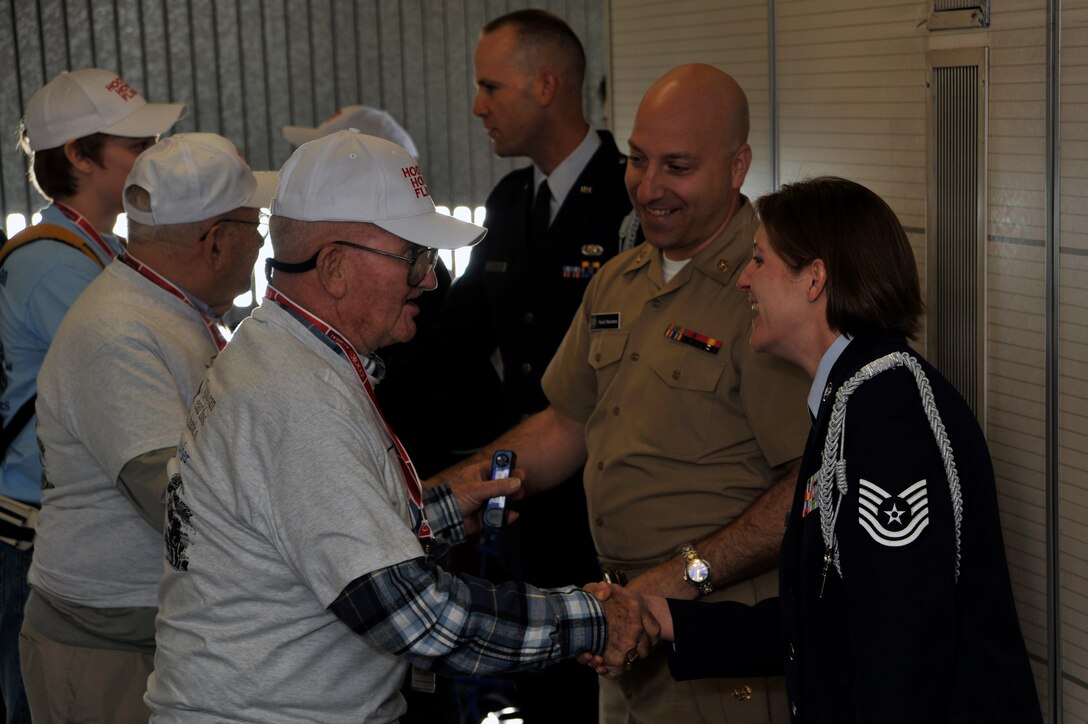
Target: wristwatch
<point x="696" y="570"/>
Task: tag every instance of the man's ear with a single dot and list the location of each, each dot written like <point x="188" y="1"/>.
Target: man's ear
<point x="738" y="167"/>
<point x="547" y="87"/>
<point x="332" y="272"/>
<point x="82" y="163"/>
<point x="817" y="276"/>
<point x="211" y="247"/>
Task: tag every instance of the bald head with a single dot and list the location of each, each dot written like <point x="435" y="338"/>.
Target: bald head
<point x="688" y="158"/>
<point x="706" y="96"/>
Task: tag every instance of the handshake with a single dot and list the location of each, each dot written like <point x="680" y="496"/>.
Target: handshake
<point x="634" y="628"/>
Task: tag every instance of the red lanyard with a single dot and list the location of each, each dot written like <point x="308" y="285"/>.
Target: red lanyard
<point x="144" y="270"/>
<point x="408" y="470"/>
<point x="85" y="226"/>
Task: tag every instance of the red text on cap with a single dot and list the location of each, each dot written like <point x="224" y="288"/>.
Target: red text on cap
<point x="416" y="176"/>
<point x="121" y="88"/>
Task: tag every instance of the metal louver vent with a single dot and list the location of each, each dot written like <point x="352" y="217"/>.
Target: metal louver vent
<point x="953" y="14"/>
<point x="956" y="220"/>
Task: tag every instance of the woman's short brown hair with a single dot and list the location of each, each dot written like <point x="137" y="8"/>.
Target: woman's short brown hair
<point x="872" y="279"/>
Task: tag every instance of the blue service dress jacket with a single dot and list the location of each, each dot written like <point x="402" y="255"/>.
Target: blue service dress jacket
<point x="893" y="637"/>
<point x="522" y="299"/>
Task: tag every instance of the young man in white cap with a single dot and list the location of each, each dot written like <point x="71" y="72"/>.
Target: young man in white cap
<point x="82" y="131"/>
<point x="114" y="391"/>
<point x="299" y="582"/>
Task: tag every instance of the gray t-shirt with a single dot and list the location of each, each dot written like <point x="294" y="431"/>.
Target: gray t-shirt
<point x="116" y="383"/>
<point x="286" y="490"/>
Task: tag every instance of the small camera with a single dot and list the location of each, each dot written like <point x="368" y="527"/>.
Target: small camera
<point x="502" y="462"/>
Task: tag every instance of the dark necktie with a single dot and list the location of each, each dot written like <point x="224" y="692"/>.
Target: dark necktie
<point x="540" y="216"/>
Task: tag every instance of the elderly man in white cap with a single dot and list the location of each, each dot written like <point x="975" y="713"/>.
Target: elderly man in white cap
<point x="82" y="132"/>
<point x="299" y="581"/>
<point x="114" y="392"/>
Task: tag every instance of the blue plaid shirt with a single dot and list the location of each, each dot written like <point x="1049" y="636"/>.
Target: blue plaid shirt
<point x="458" y="624"/>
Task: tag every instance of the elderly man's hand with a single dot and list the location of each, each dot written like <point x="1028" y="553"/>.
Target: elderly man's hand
<point x="471" y="489"/>
<point x="656" y="623"/>
<point x="632" y="630"/>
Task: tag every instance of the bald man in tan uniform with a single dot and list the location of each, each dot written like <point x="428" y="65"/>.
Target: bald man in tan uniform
<point x="689" y="440"/>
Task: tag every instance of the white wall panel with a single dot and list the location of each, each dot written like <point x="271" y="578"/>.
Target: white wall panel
<point x="648" y="37"/>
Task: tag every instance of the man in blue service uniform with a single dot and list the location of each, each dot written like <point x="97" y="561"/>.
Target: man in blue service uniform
<point x="82" y="132"/>
<point x="551" y="226"/>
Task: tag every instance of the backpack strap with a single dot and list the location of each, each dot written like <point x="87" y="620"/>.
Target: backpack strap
<point x="16" y="424"/>
<point x="27" y="236"/>
<point x="49" y="231"/>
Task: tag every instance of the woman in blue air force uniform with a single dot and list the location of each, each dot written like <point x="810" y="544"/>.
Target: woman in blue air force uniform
<point x="895" y="603"/>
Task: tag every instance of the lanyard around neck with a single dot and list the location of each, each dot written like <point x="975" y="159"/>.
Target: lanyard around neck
<point x="211" y="324"/>
<point x="85" y="226"/>
<point x="411" y="478"/>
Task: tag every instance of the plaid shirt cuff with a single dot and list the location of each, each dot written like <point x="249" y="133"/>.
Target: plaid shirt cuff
<point x="444" y="515"/>
<point x="581" y="621"/>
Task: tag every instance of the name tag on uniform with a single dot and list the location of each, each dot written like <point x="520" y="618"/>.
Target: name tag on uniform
<point x="495" y="266"/>
<point x="604" y="321"/>
<point x="812" y="503"/>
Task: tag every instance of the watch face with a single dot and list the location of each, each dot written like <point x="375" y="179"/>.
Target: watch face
<point x="698" y="571"/>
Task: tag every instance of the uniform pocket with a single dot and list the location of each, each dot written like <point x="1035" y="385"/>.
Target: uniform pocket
<point x="688" y="383"/>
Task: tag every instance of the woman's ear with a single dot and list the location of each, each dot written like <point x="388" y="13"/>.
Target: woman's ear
<point x="817" y="275"/>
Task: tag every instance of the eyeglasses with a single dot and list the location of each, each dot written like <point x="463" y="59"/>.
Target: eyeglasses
<point x="421" y="260"/>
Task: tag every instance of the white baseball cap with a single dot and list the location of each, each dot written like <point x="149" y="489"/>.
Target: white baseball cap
<point x="350" y="176"/>
<point x="81" y="102"/>
<point x="195" y="176"/>
<point x="372" y="121"/>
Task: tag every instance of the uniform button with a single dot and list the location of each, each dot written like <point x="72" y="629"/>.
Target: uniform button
<point x="600" y="466"/>
<point x="527" y="317"/>
<point x="676" y="374"/>
<point x="599" y="522"/>
<point x="794" y="708"/>
<point x="743" y="693"/>
<point x="615" y="410"/>
<point x="597" y="357"/>
<point x="791" y="652"/>
<point x="656" y="304"/>
<point x="634" y="356"/>
<point x="526" y="368"/>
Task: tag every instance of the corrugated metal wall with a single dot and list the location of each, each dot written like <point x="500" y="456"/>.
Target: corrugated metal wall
<point x="249" y="67"/>
<point x="851" y="100"/>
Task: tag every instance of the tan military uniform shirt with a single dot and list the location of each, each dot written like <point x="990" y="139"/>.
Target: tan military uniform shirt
<point x="684" y="422"/>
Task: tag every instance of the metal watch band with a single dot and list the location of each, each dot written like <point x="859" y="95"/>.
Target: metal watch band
<point x="691" y="555"/>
